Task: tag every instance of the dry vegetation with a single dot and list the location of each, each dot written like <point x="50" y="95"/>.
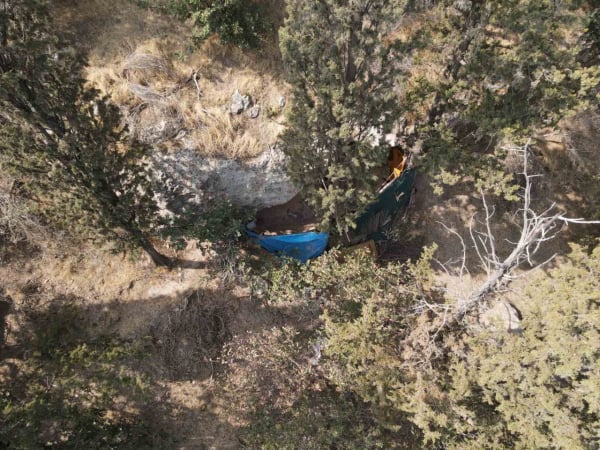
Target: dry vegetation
<point x="173" y="94"/>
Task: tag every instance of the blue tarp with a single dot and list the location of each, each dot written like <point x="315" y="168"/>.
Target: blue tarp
<point x="300" y="246"/>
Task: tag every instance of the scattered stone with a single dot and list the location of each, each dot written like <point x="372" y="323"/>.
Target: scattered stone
<point x="314" y="361"/>
<point x="239" y="102"/>
<point x="147" y="64"/>
<point x="144" y="93"/>
<point x="254" y="112"/>
<point x="282" y="102"/>
<point x="503" y="315"/>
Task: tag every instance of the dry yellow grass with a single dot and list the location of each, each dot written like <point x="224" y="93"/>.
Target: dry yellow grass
<point x="145" y="62"/>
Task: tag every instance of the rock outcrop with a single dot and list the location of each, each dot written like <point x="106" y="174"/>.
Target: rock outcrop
<point x="239" y="103"/>
<point x="257" y="183"/>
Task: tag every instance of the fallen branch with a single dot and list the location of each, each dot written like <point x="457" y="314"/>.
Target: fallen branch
<point x="536" y="229"/>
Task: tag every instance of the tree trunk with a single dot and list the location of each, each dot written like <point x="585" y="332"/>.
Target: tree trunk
<point x="158" y="258"/>
<point x="356" y="25"/>
<point x="5" y="305"/>
<point x="474" y="23"/>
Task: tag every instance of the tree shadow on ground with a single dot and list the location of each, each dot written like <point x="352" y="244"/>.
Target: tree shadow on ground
<point x="66" y="388"/>
<point x="75" y="382"/>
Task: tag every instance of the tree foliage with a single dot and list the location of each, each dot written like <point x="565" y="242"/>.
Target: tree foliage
<point x="506" y="70"/>
<point x="366" y="312"/>
<point x="471" y="78"/>
<point x="470" y="385"/>
<point x="62" y="141"/>
<point x="238" y="22"/>
<point x="241" y="23"/>
<point x="74" y="390"/>
<point x="343" y="81"/>
<point x="541" y="386"/>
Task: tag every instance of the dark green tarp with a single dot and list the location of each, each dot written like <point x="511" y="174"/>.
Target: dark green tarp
<point x="377" y="220"/>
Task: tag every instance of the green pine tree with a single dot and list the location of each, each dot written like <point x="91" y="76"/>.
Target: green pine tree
<point x="506" y="69"/>
<point x="470" y="386"/>
<point x="343" y="80"/>
<point x="62" y="141"/>
<point x="539" y="388"/>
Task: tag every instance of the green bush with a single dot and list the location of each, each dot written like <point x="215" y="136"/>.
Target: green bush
<point x="467" y="386"/>
<point x="320" y="420"/>
<point x="220" y="222"/>
<point x="237" y="22"/>
<point x="73" y="390"/>
<point x="458" y="386"/>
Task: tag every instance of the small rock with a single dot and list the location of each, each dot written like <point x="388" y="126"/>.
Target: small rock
<point x="144" y="93"/>
<point x="239" y="102"/>
<point x="282" y="102"/>
<point x="502" y="315"/>
<point x="254" y="112"/>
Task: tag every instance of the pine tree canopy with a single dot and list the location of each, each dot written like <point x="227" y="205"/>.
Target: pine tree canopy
<point x="62" y="140"/>
<point x="343" y="81"/>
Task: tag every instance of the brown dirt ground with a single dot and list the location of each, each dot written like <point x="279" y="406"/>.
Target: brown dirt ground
<point x="126" y="295"/>
<point x="431" y="216"/>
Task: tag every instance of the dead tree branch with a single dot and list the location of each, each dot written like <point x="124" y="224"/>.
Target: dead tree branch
<point x="536" y="229"/>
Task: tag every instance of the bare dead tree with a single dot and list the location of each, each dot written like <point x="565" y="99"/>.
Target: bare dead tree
<point x="536" y="229"/>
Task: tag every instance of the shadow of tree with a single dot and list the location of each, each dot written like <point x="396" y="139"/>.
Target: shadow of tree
<point x="325" y="418"/>
<point x="64" y="388"/>
<point x="69" y="380"/>
<point x="65" y="385"/>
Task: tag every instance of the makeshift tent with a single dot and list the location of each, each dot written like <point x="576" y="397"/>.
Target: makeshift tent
<point x="373" y="224"/>
<point x="300" y="246"/>
<point x="394" y="197"/>
<point x="294" y="216"/>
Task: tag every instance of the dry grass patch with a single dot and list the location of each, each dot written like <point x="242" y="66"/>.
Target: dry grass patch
<point x="172" y="94"/>
<point x="192" y="335"/>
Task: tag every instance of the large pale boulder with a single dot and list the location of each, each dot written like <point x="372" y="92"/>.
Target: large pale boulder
<point x="502" y="315"/>
<point x="256" y="183"/>
<point x="239" y="103"/>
